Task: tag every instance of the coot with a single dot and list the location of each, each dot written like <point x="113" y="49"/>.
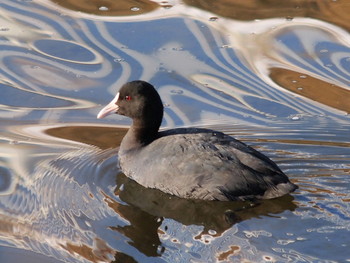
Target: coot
<point x="189" y="162"/>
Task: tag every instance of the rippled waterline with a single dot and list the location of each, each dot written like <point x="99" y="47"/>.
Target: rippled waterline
<point x="279" y="84"/>
<point x="322" y="195"/>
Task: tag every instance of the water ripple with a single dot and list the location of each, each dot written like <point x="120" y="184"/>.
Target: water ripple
<point x="67" y="51"/>
<point x="281" y="85"/>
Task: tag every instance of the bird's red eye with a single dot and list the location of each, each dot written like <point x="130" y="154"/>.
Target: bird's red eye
<point x="128" y="98"/>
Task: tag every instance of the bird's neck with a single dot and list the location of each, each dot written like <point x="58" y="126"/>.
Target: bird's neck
<point x="140" y="134"/>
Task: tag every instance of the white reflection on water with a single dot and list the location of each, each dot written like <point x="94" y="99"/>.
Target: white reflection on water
<point x="197" y="48"/>
<point x="58" y="197"/>
<point x="48" y="207"/>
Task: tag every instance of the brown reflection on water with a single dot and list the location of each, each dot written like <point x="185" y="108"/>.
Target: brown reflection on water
<point x="312" y="88"/>
<point x="224" y="256"/>
<point x="300" y="142"/>
<point x="109" y="7"/>
<point x="316" y="192"/>
<point x="336" y="12"/>
<point x="102" y="137"/>
<point x="101" y="251"/>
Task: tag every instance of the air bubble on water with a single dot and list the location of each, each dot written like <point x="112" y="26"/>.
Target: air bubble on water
<point x="303" y="76"/>
<point x="135" y="9"/>
<point x="188" y="244"/>
<point x="268" y="259"/>
<point x="103" y="8"/>
<point x="118" y="60"/>
<point x="285" y="242"/>
<point x="301" y="238"/>
<point x="212" y="232"/>
<point x="323" y="50"/>
<point x="177" y="91"/>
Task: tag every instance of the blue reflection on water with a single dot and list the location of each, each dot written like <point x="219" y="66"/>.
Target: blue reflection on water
<point x="66" y="200"/>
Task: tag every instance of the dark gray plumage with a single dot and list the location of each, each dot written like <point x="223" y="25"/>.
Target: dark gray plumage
<point x="189" y="162"/>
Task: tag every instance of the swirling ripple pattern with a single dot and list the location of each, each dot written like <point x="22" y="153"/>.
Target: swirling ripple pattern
<point x="280" y="84"/>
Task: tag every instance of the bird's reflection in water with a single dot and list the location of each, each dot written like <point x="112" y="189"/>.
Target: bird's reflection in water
<point x="146" y="209"/>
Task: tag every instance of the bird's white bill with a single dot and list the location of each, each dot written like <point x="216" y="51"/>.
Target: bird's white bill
<point x="111" y="108"/>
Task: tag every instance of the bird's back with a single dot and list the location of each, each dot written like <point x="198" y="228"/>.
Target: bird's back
<point x="204" y="164"/>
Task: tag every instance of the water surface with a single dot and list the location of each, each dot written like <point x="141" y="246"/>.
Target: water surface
<point x="273" y="75"/>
